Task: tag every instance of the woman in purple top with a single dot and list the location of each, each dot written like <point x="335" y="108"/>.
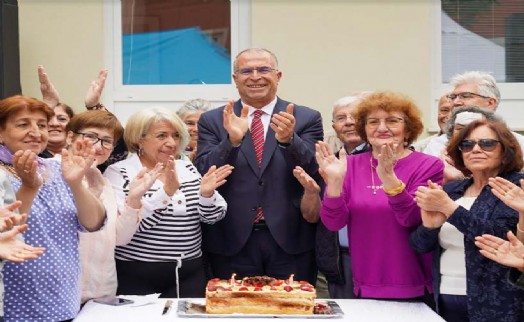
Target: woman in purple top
<point x="372" y="193"/>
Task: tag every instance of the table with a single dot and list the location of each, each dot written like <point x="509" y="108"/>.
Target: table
<point x="149" y="308"/>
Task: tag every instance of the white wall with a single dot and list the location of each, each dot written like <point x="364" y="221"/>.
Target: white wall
<point x="327" y="49"/>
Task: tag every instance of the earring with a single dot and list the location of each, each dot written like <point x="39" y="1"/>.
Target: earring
<point x="140" y="151"/>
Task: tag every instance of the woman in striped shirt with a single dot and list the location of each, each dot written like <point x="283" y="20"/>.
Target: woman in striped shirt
<point x="164" y="256"/>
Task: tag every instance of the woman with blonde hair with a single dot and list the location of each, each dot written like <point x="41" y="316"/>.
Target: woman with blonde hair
<point x="164" y="255"/>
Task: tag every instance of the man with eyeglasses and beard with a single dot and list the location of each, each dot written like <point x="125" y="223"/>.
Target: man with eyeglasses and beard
<point x="265" y="138"/>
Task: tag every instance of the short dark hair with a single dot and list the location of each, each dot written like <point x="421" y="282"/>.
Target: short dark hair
<point x="511" y="151"/>
<point x="97" y="119"/>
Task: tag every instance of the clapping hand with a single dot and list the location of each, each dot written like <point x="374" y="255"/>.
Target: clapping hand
<point x="435" y="202"/>
<point x="506" y="252"/>
<point x="95" y="181"/>
<point x="387" y="158"/>
<point x="283" y="124"/>
<point x="310" y="186"/>
<point x="94" y="92"/>
<point x="8" y="212"/>
<point x="169" y="177"/>
<point x="511" y="194"/>
<point x="75" y="165"/>
<point x="142" y="183"/>
<point x="26" y="167"/>
<point x="213" y="179"/>
<point x="50" y="95"/>
<point x="11" y="248"/>
<point x="236" y="126"/>
<point x="332" y="169"/>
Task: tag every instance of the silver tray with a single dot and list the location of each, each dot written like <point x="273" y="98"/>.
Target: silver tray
<point x="197" y="309"/>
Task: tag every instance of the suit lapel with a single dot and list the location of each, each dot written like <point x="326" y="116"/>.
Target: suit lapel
<point x="270" y="143"/>
<point x="247" y="147"/>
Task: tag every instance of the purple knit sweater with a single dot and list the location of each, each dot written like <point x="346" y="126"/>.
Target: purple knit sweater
<point x="383" y="263"/>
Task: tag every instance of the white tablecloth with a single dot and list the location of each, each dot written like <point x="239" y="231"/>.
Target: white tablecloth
<point x="150" y="309"/>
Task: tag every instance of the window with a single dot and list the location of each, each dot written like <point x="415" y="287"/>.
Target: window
<point x="176" y="42"/>
<point x="163" y="52"/>
<point x="485" y="35"/>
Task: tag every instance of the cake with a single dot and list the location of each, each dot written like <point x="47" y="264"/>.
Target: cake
<point x="259" y="295"/>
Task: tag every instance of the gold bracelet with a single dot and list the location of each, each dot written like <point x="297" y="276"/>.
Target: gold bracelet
<point x="397" y="190"/>
<point x="518" y="228"/>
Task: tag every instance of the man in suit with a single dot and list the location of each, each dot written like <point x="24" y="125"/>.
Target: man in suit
<point x="264" y="138"/>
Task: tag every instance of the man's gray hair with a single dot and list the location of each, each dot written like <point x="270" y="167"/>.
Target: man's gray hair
<point x="193" y="106"/>
<point x="259" y="50"/>
<point x="348" y="100"/>
<point x="486" y="83"/>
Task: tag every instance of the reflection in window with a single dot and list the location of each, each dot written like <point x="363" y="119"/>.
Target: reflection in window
<point x="486" y="35"/>
<point x="176" y="42"/>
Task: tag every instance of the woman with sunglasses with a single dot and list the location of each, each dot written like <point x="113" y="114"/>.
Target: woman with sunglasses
<point x="468" y="286"/>
<point x="372" y="193"/>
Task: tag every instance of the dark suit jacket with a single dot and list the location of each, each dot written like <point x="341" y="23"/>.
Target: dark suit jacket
<point x="273" y="186"/>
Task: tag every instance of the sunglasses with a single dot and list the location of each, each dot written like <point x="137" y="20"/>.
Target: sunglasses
<point x="484" y="144"/>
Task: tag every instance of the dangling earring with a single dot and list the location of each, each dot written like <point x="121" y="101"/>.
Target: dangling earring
<point x="140" y="151"/>
<point x="406" y="142"/>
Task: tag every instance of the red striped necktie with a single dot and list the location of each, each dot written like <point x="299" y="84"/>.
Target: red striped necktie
<point x="257" y="133"/>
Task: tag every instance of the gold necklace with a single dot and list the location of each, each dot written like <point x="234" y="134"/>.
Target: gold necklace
<point x="10" y="169"/>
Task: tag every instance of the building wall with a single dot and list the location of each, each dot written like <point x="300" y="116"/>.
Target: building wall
<point x="326" y="49"/>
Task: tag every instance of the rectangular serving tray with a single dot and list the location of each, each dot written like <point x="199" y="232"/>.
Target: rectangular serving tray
<point x="197" y="309"/>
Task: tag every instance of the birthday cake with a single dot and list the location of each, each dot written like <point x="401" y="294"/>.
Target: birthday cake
<point x="259" y="295"/>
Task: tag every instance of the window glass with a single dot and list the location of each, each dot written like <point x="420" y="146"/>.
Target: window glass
<point x="176" y="42"/>
<point x="486" y="35"/>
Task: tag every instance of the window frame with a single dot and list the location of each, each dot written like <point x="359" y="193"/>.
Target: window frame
<point x="512" y="94"/>
<point x="116" y="92"/>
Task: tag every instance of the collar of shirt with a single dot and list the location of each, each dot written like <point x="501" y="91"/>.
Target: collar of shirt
<point x="266" y="117"/>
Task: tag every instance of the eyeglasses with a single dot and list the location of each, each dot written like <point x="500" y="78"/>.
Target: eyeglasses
<point x="93" y="138"/>
<point x="391" y="122"/>
<point x="485" y="144"/>
<point x="249" y="71"/>
<point x="464" y="96"/>
<point x="343" y="118"/>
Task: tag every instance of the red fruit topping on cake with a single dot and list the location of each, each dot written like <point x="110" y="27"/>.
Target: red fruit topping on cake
<point x="243" y="288"/>
<point x="288" y="288"/>
<point x="257" y="289"/>
<point x="306" y="288"/>
<point x="212" y="288"/>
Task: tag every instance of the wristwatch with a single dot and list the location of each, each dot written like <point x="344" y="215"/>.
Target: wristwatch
<point x="98" y="106"/>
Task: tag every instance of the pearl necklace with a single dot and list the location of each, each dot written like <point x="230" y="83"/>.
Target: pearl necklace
<point x="373" y="186"/>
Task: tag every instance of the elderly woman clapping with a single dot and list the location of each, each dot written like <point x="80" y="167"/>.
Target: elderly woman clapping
<point x="468" y="286"/>
<point x="164" y="256"/>
<point x="372" y="193"/>
<point x="58" y="206"/>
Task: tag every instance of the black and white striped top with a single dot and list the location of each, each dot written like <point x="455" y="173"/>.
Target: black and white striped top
<point x="169" y="228"/>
